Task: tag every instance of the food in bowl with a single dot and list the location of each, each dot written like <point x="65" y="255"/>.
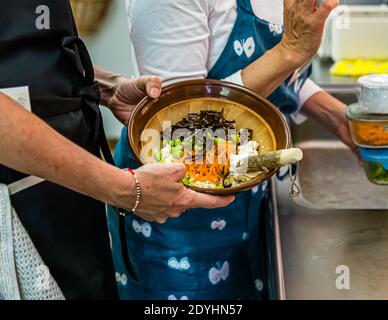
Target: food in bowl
<point x="244" y="108"/>
<point x="216" y="153"/>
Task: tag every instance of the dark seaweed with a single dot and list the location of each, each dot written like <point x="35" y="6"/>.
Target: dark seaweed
<point x="205" y="120"/>
<point x="205" y="124"/>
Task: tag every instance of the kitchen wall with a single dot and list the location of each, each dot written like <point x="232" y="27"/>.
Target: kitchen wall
<point x="110" y="48"/>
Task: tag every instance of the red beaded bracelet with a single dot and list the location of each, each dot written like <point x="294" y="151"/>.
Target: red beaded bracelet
<point x="138" y="191"/>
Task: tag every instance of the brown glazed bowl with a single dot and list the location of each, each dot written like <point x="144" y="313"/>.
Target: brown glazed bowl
<point x="247" y="108"/>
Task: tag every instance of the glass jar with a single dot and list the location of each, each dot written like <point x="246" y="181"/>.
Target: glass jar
<point x="368" y="129"/>
<point x="375" y="165"/>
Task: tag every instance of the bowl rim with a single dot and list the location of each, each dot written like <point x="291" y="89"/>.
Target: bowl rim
<point x="233" y="190"/>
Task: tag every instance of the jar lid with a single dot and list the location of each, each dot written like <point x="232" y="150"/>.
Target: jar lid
<point x="356" y="111"/>
<point x="375" y="155"/>
<point x="374" y="81"/>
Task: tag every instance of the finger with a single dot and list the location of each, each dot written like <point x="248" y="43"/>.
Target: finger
<point x="200" y="200"/>
<point x="153" y="217"/>
<point x="326" y="8"/>
<point x="154" y="87"/>
<point x="145" y="216"/>
<point x="161" y="219"/>
<point x="309" y="5"/>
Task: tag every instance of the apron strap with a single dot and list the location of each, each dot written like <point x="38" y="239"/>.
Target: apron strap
<point x="23" y="184"/>
<point x="245" y="5"/>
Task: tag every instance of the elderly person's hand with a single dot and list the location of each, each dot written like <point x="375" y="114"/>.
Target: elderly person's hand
<point x="163" y="194"/>
<point x="304" y="24"/>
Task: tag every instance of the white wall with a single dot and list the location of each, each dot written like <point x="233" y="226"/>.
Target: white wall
<point x="110" y="48"/>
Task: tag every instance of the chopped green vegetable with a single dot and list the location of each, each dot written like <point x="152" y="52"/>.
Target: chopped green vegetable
<point x="197" y="148"/>
<point x="376" y="173"/>
<point x="157" y="155"/>
<point x="186" y="181"/>
<point x="219" y="141"/>
<point x="235" y="138"/>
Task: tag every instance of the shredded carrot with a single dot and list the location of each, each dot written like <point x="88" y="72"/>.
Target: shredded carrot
<point x="370" y="133"/>
<point x="212" y="168"/>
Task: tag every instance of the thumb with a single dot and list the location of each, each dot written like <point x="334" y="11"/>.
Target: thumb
<point x="153" y="86"/>
<point x="201" y="200"/>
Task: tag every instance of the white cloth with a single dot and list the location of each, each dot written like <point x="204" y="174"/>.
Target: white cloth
<point x="183" y="39"/>
<point x="23" y="274"/>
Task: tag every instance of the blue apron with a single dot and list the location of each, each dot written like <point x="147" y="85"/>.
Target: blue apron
<point x="205" y="254"/>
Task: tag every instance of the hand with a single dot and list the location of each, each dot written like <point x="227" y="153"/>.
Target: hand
<point x="304" y="24"/>
<point x="331" y="113"/>
<point x="164" y="196"/>
<point x="130" y="92"/>
<point x="342" y="131"/>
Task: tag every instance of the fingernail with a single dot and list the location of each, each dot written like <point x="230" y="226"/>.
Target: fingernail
<point x="154" y="92"/>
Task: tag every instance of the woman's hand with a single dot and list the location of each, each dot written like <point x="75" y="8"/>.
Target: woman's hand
<point x="130" y="92"/>
<point x="304" y="24"/>
<point x="121" y="94"/>
<point x="163" y="194"/>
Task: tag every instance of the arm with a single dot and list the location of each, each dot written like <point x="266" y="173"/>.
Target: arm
<point x="174" y="40"/>
<point x="303" y="30"/>
<point x="21" y="148"/>
<point x="62" y="162"/>
<point x="331" y="113"/>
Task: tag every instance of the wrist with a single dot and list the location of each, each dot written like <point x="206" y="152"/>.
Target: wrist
<point x="327" y="110"/>
<point x="124" y="193"/>
<point x="109" y="84"/>
<point x="291" y="56"/>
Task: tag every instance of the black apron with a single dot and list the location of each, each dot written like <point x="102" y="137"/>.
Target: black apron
<point x="68" y="229"/>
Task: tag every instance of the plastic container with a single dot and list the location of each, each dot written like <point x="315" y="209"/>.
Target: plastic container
<point x="368" y="129"/>
<point x="375" y="165"/>
<point x="373" y="94"/>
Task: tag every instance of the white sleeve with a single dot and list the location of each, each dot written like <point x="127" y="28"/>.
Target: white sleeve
<point x="307" y="91"/>
<point x="235" y="78"/>
<point x="170" y="37"/>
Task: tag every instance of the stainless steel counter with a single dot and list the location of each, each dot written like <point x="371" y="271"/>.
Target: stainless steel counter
<point x="315" y="242"/>
<point x="312" y="243"/>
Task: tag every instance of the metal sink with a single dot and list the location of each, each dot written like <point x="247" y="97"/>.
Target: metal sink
<point x="340" y="220"/>
<point x="330" y="177"/>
